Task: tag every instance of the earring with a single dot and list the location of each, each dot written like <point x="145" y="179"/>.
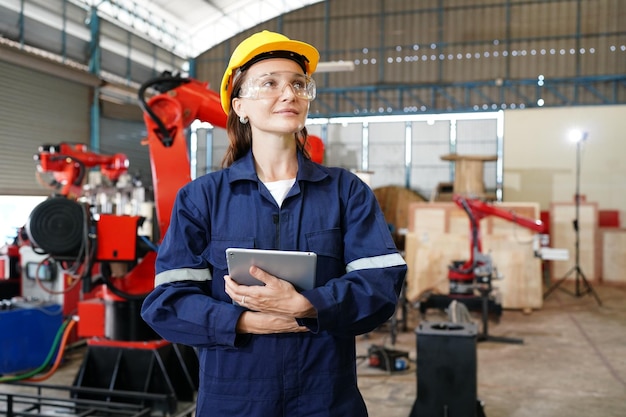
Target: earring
<point x="243" y="120"/>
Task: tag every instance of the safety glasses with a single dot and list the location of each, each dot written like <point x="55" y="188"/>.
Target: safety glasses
<point x="273" y="84"/>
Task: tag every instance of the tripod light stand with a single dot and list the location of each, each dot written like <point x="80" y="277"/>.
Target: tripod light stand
<point x="582" y="286"/>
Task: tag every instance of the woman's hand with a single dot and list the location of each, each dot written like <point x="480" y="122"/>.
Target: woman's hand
<point x="277" y="296"/>
<point x="263" y="323"/>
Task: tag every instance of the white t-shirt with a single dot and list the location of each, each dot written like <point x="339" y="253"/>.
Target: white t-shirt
<point x="279" y="189"/>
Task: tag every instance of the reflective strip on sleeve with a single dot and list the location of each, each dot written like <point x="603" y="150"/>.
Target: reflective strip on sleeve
<point x="183" y="274"/>
<point x="383" y="261"/>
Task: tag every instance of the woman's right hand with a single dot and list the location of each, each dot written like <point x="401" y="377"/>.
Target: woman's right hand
<point x="263" y="323"/>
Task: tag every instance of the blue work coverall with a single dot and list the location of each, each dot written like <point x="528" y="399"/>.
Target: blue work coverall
<point x="329" y="211"/>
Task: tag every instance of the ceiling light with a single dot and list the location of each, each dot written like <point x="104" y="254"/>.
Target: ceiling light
<point x="335" y="66"/>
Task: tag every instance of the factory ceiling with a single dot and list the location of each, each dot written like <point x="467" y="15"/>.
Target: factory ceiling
<point x="197" y="24"/>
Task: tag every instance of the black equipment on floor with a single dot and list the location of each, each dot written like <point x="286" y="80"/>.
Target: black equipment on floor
<point x="446" y="371"/>
<point x="47" y="400"/>
<point x="169" y="369"/>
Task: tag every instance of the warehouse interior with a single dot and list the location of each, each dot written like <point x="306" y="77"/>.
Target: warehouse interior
<point x="490" y="131"/>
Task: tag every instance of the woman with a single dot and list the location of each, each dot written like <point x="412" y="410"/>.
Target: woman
<point x="271" y="350"/>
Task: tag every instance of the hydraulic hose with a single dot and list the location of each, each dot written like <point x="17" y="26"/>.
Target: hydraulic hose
<point x="63" y="332"/>
<point x="164" y="83"/>
<point x="57" y="361"/>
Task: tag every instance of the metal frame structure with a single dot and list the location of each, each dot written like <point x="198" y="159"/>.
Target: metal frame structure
<point x="30" y="399"/>
<point x="465" y="96"/>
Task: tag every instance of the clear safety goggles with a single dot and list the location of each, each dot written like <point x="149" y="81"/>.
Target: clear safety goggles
<point x="273" y="84"/>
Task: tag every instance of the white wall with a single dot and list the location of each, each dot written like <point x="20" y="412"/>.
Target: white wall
<point x="539" y="159"/>
<point x="14" y="212"/>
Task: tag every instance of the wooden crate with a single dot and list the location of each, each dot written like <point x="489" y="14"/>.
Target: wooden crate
<point x="438" y="218"/>
<point x="439" y="234"/>
<point x="394" y="201"/>
<point x="521" y="285"/>
<point x="427" y="257"/>
<point x="613" y="255"/>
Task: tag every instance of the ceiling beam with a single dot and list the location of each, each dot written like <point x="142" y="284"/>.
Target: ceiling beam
<point x="40" y="63"/>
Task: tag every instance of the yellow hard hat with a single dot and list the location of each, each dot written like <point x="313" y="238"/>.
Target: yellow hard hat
<point x="264" y="45"/>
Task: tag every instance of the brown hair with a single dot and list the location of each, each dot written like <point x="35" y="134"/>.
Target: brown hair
<point x="240" y="134"/>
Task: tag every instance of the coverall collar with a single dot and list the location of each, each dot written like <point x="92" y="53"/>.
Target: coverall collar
<point x="243" y="169"/>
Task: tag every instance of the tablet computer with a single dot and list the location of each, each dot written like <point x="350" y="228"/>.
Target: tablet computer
<point x="296" y="267"/>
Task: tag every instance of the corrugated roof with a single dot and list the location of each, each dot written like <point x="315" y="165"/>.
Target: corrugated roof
<point x="197" y="24"/>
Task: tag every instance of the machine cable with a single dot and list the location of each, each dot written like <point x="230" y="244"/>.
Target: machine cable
<point x="167" y="81"/>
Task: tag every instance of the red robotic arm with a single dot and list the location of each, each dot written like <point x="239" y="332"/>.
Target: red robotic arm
<point x="68" y="162"/>
<point x="462" y="274"/>
<point x="167" y="115"/>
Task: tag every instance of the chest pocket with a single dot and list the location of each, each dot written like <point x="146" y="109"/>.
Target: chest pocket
<point x="328" y="245"/>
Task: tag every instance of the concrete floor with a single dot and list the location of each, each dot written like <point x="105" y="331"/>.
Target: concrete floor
<point x="572" y="361"/>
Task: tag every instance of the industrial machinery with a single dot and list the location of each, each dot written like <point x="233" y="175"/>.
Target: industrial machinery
<point x="471" y="280"/>
<point x="478" y="268"/>
<point x="91" y="235"/>
<point x="57" y="256"/>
